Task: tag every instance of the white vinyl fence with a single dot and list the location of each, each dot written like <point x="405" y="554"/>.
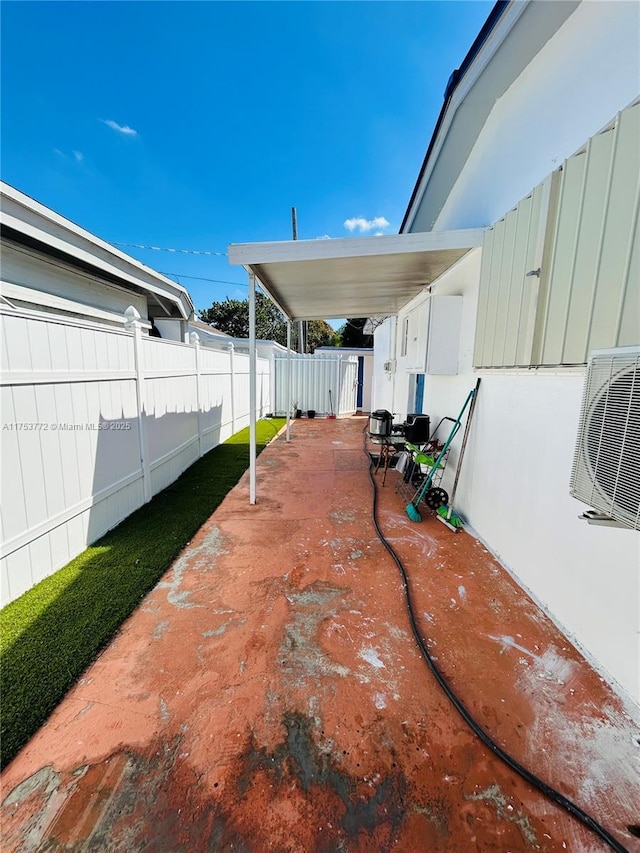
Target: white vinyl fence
<point x="311" y="380"/>
<point x="95" y="421"/>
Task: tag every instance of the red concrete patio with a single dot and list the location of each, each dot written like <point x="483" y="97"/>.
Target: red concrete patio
<point x="268" y="694"/>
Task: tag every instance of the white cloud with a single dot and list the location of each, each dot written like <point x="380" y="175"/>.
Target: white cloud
<point x="58" y="152"/>
<point x="324" y="237"/>
<point x="124" y="129"/>
<point x="358" y="223"/>
<point x="79" y="156"/>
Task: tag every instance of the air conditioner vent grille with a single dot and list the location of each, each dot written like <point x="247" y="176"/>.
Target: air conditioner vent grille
<point x="606" y="466"/>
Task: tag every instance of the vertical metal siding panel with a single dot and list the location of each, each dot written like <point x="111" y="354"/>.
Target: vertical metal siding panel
<point x="504" y="288"/>
<point x="563" y="263"/>
<point x="630" y="283"/>
<point x="617" y="234"/>
<point x="528" y="293"/>
<point x="591" y="223"/>
<point x="492" y="299"/>
<point x="544" y="256"/>
<point x="483" y="298"/>
<point x="517" y="283"/>
<point x="630" y="325"/>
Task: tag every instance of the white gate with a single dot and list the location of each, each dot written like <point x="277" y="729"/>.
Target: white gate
<point x="312" y="379"/>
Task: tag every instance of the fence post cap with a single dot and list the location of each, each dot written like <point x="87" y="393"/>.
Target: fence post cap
<point x="132" y="317"/>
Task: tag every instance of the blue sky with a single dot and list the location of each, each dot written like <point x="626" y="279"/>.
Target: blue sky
<point x="198" y="124"/>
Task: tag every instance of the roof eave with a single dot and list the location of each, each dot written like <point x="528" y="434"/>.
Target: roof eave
<point x="78" y="246"/>
<point x="454" y="82"/>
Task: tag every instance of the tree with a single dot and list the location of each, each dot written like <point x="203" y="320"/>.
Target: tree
<point x="232" y="316"/>
<point x="352" y="333"/>
<point x="320" y="334"/>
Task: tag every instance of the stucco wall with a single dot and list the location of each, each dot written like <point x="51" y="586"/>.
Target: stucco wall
<point x="514" y="489"/>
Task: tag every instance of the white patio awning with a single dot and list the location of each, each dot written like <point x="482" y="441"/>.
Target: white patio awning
<point x="351" y="277"/>
<point x="354" y="276"/>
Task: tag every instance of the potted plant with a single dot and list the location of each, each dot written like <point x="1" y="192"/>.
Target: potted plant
<point x="297" y="413"/>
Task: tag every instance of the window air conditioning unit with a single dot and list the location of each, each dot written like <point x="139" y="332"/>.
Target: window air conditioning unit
<point x="390" y="366"/>
<point x="606" y="466"/>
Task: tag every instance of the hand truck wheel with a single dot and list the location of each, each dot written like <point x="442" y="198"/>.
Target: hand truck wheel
<point x="435" y="498"/>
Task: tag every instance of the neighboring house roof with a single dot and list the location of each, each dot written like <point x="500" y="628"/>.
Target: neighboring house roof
<point x="497" y="57"/>
<point x="344" y="350"/>
<point x="28" y="223"/>
<point x="205" y="327"/>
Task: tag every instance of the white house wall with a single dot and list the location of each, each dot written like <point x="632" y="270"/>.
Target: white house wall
<point x="514" y="488"/>
<point x="367" y="382"/>
<point x="578" y="81"/>
<point x="383" y="384"/>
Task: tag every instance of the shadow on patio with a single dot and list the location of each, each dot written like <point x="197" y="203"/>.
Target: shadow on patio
<point x="268" y="693"/>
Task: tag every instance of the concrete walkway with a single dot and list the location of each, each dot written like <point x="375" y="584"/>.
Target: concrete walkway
<point x="268" y="695"/>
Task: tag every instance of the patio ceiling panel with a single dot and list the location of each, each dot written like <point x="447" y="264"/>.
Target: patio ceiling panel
<point x="352" y="277"/>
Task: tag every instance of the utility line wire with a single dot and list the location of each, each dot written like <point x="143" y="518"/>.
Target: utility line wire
<point x="167" y="249"/>
<point x="202" y="278"/>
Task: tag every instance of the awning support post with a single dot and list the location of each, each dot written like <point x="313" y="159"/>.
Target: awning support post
<point x="288" y="380"/>
<point x="252" y="388"/>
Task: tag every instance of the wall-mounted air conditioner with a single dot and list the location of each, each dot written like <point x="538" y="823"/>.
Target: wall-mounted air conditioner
<point x="606" y="466"/>
<point x="390" y="366"/>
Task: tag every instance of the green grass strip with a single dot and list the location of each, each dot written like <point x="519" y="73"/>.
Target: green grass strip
<point x="51" y="634"/>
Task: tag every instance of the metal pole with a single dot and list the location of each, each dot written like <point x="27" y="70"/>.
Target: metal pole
<point x="288" y="397"/>
<point x="294" y="229"/>
<point x="252" y="388"/>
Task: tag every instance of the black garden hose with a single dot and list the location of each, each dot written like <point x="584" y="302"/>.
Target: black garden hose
<point x="497" y="750"/>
